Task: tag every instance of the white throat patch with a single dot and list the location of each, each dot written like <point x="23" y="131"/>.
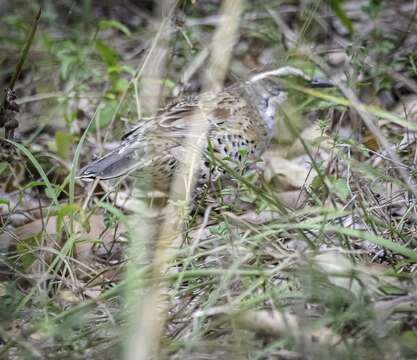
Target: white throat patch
<point x="271" y="109"/>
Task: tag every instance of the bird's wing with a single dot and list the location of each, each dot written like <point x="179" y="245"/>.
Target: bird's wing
<point x="114" y="164"/>
<point x="177" y="119"/>
<point x="162" y="134"/>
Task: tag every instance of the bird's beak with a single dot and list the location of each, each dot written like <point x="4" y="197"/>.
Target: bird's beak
<point x="320" y="83"/>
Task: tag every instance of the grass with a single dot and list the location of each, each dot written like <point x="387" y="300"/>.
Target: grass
<point x="82" y="274"/>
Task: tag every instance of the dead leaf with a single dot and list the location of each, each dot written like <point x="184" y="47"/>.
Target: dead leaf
<point x="136" y="200"/>
<point x="344" y="273"/>
<point x="407" y="107"/>
<point x="293" y="199"/>
<point x="270" y="323"/>
<point x="370" y="142"/>
<point x="20" y="207"/>
<point x="93" y="292"/>
<point x="273" y="323"/>
<point x="313" y="137"/>
<point x="278" y="324"/>
<point x="286" y="174"/>
<point x="95" y="241"/>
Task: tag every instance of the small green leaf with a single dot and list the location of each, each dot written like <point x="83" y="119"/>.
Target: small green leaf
<point x="66" y="67"/>
<point x="106" y="24"/>
<point x="50" y="193"/>
<point x="49" y="188"/>
<point x="63" y="142"/>
<point x="341" y="188"/>
<point x="116" y="213"/>
<point x="391" y="290"/>
<point x="337" y="8"/>
<point x="23" y="245"/>
<point x="104" y="116"/>
<point x="68" y="209"/>
<point x="243" y="151"/>
<point x="168" y="83"/>
<point x="107" y="55"/>
<point x="316" y="183"/>
<point x="408" y="341"/>
<point x="121" y="85"/>
<point x="4" y="202"/>
<point x="33" y="184"/>
<point x="70" y="117"/>
<point x="384" y="47"/>
<point x="128" y="69"/>
<point x="3" y="167"/>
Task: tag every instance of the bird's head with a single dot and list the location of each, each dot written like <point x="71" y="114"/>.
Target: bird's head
<point x="270" y="88"/>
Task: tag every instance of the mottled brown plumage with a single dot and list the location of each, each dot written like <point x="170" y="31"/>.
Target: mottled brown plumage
<point x="239" y="121"/>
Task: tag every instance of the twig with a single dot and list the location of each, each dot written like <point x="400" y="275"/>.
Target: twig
<point x="8" y="106"/>
<point x="25" y="50"/>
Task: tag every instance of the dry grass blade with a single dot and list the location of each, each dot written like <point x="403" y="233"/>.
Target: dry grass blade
<point x="153" y="309"/>
<point x="146" y="324"/>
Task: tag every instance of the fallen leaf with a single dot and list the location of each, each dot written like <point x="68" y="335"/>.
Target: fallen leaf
<point x="313" y="137"/>
<point x="407" y="107"/>
<point x="286" y="174"/>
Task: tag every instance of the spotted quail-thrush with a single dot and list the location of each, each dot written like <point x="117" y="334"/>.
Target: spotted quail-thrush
<point x="239" y="119"/>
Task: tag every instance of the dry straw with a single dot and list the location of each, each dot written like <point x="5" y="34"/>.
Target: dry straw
<point x="150" y="313"/>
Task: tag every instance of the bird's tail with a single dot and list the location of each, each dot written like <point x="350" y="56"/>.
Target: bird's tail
<point x="115" y="164"/>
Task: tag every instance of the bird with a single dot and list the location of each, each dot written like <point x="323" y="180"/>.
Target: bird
<point x="239" y="119"/>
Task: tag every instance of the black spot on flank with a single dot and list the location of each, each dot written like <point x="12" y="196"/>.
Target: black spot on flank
<point x="203" y="176"/>
<point x="206" y="163"/>
<point x="239" y="136"/>
<point x="225" y="149"/>
<point x="219" y="141"/>
<point x="240" y="157"/>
